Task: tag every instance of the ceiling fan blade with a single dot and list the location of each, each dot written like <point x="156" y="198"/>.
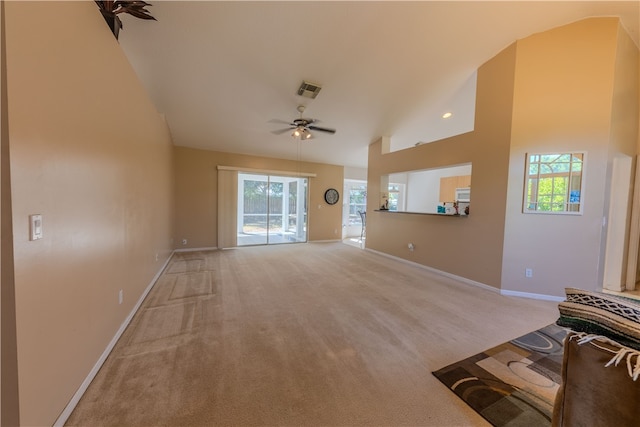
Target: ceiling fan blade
<point x="281" y="122"/>
<point x="319" y="129"/>
<point x="281" y="131"/>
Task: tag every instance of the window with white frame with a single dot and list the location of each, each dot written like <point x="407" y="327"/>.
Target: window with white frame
<point x="554" y="183"/>
<point x="396" y="197"/>
<point x="357" y="202"/>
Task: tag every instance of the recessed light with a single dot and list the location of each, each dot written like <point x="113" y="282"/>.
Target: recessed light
<point x="447" y="115"/>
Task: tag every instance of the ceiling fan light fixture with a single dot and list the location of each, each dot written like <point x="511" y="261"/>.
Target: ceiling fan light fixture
<point x="301" y="128"/>
<point x="301" y="133"/>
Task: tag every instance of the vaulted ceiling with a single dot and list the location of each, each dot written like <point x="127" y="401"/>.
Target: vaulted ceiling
<point x="222" y="71"/>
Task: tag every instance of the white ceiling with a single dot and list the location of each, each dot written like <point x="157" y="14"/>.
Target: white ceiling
<point x="220" y="71"/>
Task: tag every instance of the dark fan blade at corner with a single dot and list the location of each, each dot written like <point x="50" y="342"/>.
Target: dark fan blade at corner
<point x="282" y="122"/>
<point x="318" y="128"/>
<point x="281" y="131"/>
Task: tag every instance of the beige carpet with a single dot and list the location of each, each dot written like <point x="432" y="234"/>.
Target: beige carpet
<point x="303" y="334"/>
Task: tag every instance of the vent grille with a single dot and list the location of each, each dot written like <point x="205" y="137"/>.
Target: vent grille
<point x="309" y="90"/>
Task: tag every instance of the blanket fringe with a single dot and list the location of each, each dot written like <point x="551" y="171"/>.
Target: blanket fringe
<point x="631" y="356"/>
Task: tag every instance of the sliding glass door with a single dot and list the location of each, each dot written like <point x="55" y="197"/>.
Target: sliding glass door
<point x="271" y="209"/>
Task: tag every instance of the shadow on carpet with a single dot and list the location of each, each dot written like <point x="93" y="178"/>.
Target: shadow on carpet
<point x="513" y="384"/>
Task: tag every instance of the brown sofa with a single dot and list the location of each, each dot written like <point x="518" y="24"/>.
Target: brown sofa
<point x="601" y="359"/>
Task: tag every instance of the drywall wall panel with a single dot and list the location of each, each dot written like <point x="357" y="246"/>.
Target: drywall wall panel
<point x="90" y="153"/>
<point x="359" y="174"/>
<point x="9" y="407"/>
<point x="562" y="103"/>
<point x="470" y="247"/>
<point x="196" y="197"/>
<point x="625" y="118"/>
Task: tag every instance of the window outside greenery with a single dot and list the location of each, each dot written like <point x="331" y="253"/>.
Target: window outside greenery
<point x="554" y="183"/>
<point x="394" y="196"/>
<point x="357" y="203"/>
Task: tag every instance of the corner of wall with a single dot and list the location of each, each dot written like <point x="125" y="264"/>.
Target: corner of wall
<point x="9" y="397"/>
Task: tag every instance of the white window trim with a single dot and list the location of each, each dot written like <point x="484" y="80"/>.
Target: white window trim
<point x="525" y="200"/>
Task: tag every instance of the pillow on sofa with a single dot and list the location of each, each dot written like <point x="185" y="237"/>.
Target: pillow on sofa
<point x="598" y="313"/>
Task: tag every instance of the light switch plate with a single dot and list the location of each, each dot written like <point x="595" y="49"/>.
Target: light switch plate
<point x="35" y="227"/>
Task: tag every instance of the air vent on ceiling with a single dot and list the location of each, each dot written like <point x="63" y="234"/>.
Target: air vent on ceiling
<point x="309" y="90"/>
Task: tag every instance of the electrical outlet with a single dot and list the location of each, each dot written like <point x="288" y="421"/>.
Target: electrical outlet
<point x="528" y="272"/>
<point x="120" y="296"/>
<point x="184" y="241"/>
<point x="410" y="246"/>
<point x="157" y="257"/>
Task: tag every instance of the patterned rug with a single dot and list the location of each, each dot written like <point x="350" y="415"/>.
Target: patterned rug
<point x="513" y="384"/>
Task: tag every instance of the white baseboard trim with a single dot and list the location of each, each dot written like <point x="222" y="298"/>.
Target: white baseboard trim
<point x="66" y="413"/>
<point x="324" y="241"/>
<point x="469" y="281"/>
<point x="213" y="248"/>
<point x="436" y="271"/>
<point x="542" y="297"/>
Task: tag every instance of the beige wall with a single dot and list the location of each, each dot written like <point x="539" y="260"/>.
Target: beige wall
<point x="563" y="102"/>
<point x="9" y="409"/>
<point x="571" y="88"/>
<point x="625" y="113"/>
<point x="196" y="194"/>
<point x="354" y="173"/>
<point x="469" y="247"/>
<point x="91" y="154"/>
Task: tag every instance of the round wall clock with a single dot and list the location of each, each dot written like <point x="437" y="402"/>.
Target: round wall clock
<point x="331" y="196"/>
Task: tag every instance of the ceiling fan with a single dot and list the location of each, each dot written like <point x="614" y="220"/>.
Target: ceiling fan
<point x="301" y="127"/>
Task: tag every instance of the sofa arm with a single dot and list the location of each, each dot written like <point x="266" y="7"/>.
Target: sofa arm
<point x="592" y="394"/>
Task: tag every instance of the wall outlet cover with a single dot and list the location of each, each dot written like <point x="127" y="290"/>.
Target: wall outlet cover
<point x="35" y="227"/>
